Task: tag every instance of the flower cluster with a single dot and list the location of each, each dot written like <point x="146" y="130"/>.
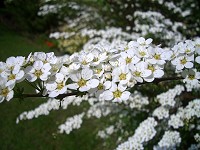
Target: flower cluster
<point x="106" y="72"/>
<point x="71" y="124"/>
<point x="170" y="140"/>
<point x="144" y="133"/>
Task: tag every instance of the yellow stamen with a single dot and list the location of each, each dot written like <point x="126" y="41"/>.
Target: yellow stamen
<point x="38" y="73"/>
<point x="117" y="94"/>
<point x="151" y="67"/>
<point x="128" y="60"/>
<point x="137" y="73"/>
<point x="82" y="82"/>
<point x="183" y="61"/>
<point x="100" y="86"/>
<point x="191" y="77"/>
<point x="5" y="92"/>
<point x="122" y="76"/>
<point x="11" y="77"/>
<point x="157" y="56"/>
<point x="60" y="86"/>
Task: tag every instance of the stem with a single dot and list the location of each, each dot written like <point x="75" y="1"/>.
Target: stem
<point x="156" y="81"/>
<point x="61" y="96"/>
<point x="33" y="85"/>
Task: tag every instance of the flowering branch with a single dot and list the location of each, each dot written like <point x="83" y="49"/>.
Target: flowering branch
<point x="106" y="72"/>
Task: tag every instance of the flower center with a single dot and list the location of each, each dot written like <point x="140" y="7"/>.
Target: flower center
<point x="95" y="59"/>
<point x="11" y="77"/>
<point x="122" y="76"/>
<point x="152" y="68"/>
<point x="191" y="77"/>
<point x="12" y="67"/>
<point x="187" y="50"/>
<point x="126" y="48"/>
<point x="60" y="85"/>
<point x="98" y="71"/>
<point x="142" y="53"/>
<point x="157" y="56"/>
<point x="128" y="60"/>
<point x="137" y="73"/>
<point x="117" y="94"/>
<point x="183" y="61"/>
<point x="82" y="82"/>
<point x="38" y="73"/>
<point x="100" y="86"/>
<point x="5" y="92"/>
<point x="84" y="62"/>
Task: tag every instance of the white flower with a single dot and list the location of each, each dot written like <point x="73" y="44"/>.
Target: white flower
<point x="128" y="57"/>
<point x="98" y="57"/>
<point x="142" y="52"/>
<point x="45" y="57"/>
<point x="140" y="71"/>
<point x="13" y="62"/>
<point x="117" y="93"/>
<point x="158" y="55"/>
<point x="103" y="85"/>
<point x="140" y="42"/>
<point x="83" y="80"/>
<point x="6" y="92"/>
<point x="57" y="87"/>
<point x="121" y="74"/>
<point x="3" y="67"/>
<point x="85" y="59"/>
<point x="38" y="70"/>
<point x="13" y="76"/>
<point x="191" y="75"/>
<point x="197" y="59"/>
<point x="156" y="72"/>
<point x="183" y="61"/>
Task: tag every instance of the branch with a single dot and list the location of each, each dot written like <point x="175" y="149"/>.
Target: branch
<point x="61" y="96"/>
<point x="156" y="81"/>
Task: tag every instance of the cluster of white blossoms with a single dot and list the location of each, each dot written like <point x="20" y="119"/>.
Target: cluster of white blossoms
<point x="108" y="73"/>
<point x="71" y="123"/>
<point x="159" y="26"/>
<point x="137" y="100"/>
<point x="144" y="133"/>
<point x="161" y="112"/>
<point x="51" y="104"/>
<point x="185" y="114"/>
<point x="170" y="140"/>
<point x="168" y="98"/>
<point x="106" y="132"/>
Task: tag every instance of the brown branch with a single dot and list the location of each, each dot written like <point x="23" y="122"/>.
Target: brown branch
<point x="156" y="81"/>
<point x="61" y="96"/>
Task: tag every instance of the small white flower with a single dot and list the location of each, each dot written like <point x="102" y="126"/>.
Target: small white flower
<point x="57" y="87"/>
<point x="158" y="55"/>
<point x="191" y="75"/>
<point x="83" y="80"/>
<point x="121" y="74"/>
<point x="140" y="71"/>
<point x="197" y="59"/>
<point x="183" y="61"/>
<point x="156" y="72"/>
<point x="116" y="93"/>
<point x="38" y="70"/>
<point x="128" y="58"/>
<point x="6" y="92"/>
<point x="85" y="59"/>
